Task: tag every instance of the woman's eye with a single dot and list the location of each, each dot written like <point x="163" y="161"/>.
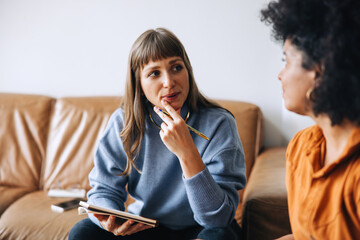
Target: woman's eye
<point x="177" y="68"/>
<point x="284" y="60"/>
<point x="154" y="74"/>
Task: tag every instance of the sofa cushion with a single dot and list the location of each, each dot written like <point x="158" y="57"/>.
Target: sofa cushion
<point x="76" y="126"/>
<point x="31" y="217"/>
<point x="10" y="195"/>
<point x="23" y="135"/>
<point x="265" y="212"/>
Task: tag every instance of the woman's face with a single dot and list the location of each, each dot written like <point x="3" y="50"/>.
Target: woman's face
<point x="296" y="81"/>
<point x="166" y="79"/>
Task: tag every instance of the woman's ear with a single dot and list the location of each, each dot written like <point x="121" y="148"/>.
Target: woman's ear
<point x="319" y="69"/>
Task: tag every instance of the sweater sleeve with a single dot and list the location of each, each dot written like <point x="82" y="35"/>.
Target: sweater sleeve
<point x="213" y="193"/>
<point x="108" y="187"/>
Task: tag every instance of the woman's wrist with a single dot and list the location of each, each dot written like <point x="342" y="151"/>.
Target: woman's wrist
<point x="191" y="164"/>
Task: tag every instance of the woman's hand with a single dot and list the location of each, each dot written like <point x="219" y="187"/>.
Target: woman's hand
<point x="174" y="132"/>
<point x="176" y="136"/>
<point x="120" y="227"/>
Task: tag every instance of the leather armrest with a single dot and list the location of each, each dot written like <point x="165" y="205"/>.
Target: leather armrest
<point x="265" y="212"/>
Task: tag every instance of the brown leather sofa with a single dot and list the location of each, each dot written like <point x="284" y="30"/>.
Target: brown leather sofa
<point x="47" y="142"/>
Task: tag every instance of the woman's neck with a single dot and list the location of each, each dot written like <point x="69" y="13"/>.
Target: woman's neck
<point x="336" y="137"/>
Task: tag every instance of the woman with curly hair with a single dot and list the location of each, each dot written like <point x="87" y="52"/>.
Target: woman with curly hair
<point x="321" y="79"/>
<point x="186" y="180"/>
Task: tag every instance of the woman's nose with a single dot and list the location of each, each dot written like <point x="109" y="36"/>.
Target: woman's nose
<point x="168" y="81"/>
<point x="280" y="75"/>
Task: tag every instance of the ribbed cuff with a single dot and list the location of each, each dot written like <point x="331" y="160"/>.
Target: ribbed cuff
<point x="203" y="192"/>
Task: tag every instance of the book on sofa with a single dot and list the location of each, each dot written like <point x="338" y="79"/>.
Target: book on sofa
<point x="88" y="208"/>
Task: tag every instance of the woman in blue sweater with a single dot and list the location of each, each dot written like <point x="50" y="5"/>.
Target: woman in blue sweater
<point x="176" y="176"/>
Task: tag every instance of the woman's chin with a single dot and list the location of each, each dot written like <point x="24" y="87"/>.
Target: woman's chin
<point x="297" y="110"/>
<point x="176" y="107"/>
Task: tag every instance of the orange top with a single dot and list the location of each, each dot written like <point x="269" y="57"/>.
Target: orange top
<point x="324" y="201"/>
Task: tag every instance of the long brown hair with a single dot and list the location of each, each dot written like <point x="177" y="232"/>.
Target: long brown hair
<point x="152" y="45"/>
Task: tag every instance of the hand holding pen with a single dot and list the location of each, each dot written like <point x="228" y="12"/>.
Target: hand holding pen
<point x="175" y="135"/>
<point x="190" y="128"/>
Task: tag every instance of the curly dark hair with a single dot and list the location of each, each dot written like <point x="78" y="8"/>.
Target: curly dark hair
<point x="327" y="32"/>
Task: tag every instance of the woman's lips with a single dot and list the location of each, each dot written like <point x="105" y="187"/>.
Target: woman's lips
<point x="170" y="97"/>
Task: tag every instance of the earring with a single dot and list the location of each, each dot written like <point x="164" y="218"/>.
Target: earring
<point x="308" y="93"/>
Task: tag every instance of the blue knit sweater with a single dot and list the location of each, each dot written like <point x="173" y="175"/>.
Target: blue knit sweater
<point x="209" y="198"/>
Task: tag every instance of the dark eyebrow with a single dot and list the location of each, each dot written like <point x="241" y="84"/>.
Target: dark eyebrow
<point x="150" y="68"/>
<point x="156" y="66"/>
<point x="175" y="60"/>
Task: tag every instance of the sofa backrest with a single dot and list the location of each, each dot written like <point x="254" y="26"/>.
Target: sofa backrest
<point x="24" y="124"/>
<point x="76" y="126"/>
<point x="78" y="123"/>
<point x="47" y="142"/>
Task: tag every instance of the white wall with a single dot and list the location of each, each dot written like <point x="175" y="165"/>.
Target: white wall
<point x="80" y="48"/>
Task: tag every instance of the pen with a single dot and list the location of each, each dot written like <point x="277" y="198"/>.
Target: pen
<point x="191" y="128"/>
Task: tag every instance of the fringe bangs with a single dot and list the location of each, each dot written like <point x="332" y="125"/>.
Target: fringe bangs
<point x="156" y="47"/>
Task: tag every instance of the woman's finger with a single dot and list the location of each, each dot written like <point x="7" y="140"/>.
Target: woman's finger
<point x="124" y="228"/>
<point x="167" y="119"/>
<point x="171" y="111"/>
<point x="164" y="127"/>
<point x="110" y="223"/>
<point x="101" y="217"/>
<point x="137" y="227"/>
